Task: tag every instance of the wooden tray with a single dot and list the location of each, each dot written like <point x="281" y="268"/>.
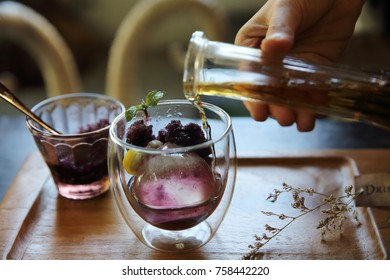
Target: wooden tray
<point x="38" y="224"/>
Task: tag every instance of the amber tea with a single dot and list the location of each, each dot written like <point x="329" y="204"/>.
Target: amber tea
<point x="366" y="104"/>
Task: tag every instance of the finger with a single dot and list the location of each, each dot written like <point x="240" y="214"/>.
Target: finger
<point x="251" y="34"/>
<point x="258" y="111"/>
<point x="285" y="116"/>
<point x="305" y="120"/>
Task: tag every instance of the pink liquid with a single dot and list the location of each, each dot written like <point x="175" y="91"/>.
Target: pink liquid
<point x="83" y="191"/>
<point x="179" y="195"/>
<point x="79" y="171"/>
<point x="173" y="217"/>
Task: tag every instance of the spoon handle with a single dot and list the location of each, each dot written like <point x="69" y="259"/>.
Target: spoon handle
<point x="6" y="94"/>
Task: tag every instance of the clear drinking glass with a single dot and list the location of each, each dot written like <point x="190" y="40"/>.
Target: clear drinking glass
<point x="174" y="198"/>
<point x="231" y="71"/>
<point x="77" y="158"/>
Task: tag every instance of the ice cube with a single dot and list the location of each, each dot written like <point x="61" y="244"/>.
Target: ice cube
<point x="174" y="181"/>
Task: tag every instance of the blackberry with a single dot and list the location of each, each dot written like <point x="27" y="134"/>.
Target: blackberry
<point x="195" y="133"/>
<point x="187" y="135"/>
<point x="174" y="132"/>
<point x="139" y="134"/>
<point x="161" y="135"/>
<point x="92" y="127"/>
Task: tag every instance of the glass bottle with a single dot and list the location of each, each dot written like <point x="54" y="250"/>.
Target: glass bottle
<point x="231" y="71"/>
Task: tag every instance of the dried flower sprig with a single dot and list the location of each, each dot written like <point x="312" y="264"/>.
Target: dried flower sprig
<point x="339" y="207"/>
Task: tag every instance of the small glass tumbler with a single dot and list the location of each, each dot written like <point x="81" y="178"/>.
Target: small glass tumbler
<point x="174" y="197"/>
<point x="77" y="157"/>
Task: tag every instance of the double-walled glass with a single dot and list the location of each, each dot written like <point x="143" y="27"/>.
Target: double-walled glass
<point x="174" y="199"/>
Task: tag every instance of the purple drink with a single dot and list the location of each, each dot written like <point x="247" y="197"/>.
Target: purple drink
<point x="175" y="192"/>
<point x="80" y="170"/>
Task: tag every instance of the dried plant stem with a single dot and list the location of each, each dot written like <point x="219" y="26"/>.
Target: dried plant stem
<point x="292" y="219"/>
<point x="335" y="215"/>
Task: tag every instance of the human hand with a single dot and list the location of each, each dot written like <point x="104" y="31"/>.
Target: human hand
<point x="316" y="31"/>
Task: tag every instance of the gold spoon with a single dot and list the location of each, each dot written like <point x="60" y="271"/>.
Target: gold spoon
<point x="8" y="96"/>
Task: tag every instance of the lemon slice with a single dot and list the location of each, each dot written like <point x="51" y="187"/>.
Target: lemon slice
<point x="131" y="162"/>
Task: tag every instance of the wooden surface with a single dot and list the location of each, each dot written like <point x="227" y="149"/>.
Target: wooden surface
<point x="38" y="224"/>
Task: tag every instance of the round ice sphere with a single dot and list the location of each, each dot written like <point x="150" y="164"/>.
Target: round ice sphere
<point x="174" y="181"/>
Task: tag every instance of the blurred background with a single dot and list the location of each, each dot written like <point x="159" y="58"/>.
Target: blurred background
<point x="90" y="26"/>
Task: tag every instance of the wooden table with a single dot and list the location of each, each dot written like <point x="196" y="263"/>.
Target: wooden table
<point x="38" y="224"/>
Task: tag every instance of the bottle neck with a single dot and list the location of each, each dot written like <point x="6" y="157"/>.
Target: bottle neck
<point x="193" y="64"/>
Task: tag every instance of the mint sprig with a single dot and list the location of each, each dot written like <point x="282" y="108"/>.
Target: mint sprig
<point x="152" y="98"/>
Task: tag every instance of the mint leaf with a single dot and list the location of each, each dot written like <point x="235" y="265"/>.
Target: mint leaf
<point x="130" y="113"/>
<point x="152" y="99"/>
